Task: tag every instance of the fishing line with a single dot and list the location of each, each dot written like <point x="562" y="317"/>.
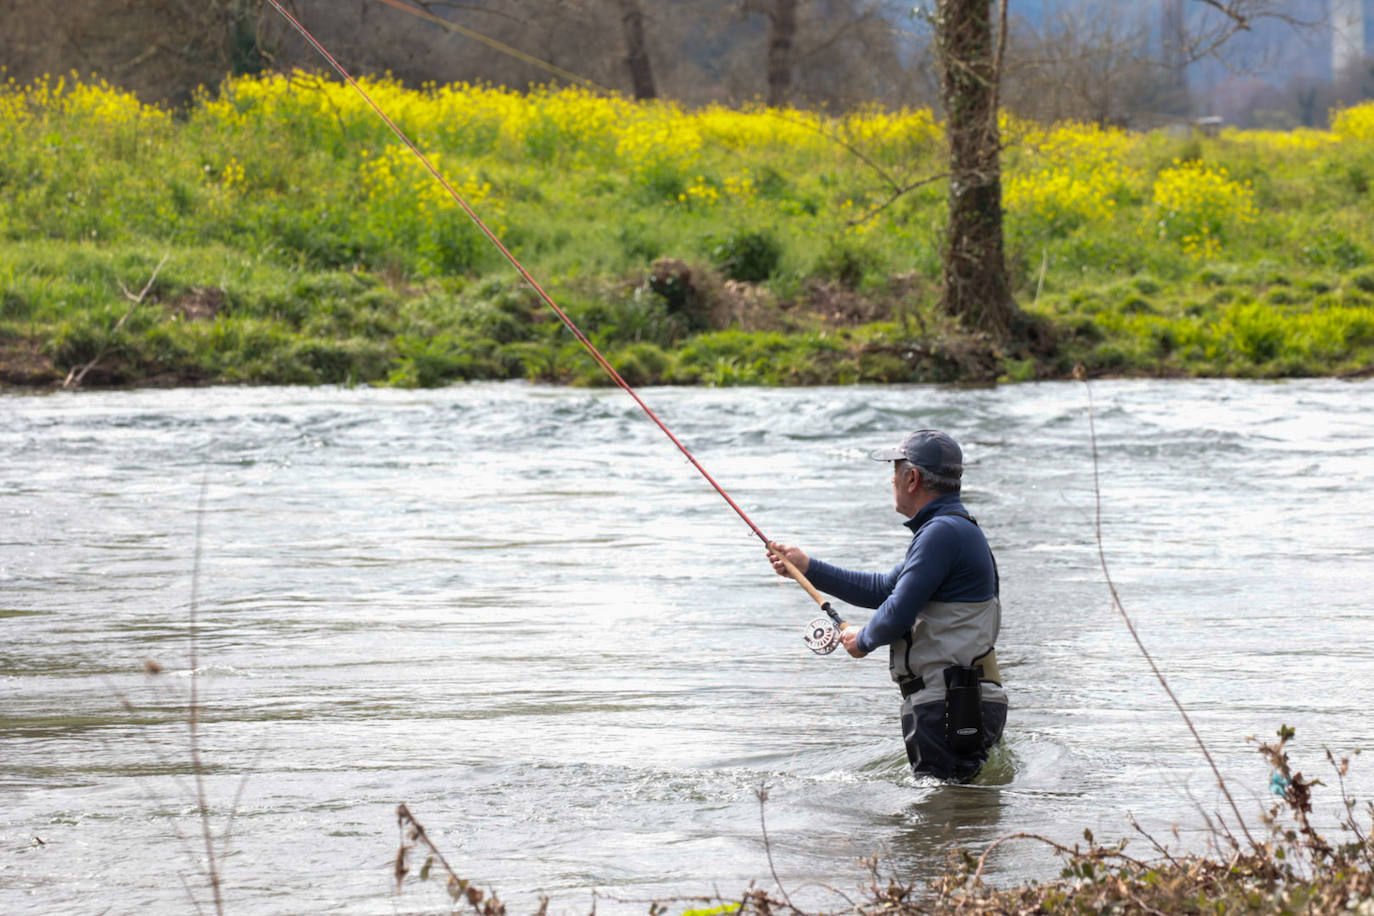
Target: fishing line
<point x="820" y="642"/>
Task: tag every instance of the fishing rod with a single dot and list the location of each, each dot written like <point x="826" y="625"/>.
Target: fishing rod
<point x="822" y="633"/>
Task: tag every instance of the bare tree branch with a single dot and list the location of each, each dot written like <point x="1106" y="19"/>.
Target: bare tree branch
<point x="74" y="377"/>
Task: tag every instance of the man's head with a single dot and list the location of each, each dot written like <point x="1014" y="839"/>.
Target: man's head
<point x="927" y="463"/>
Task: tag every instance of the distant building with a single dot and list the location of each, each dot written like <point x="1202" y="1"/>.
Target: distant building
<point x="1343" y="36"/>
<point x="1351" y="24"/>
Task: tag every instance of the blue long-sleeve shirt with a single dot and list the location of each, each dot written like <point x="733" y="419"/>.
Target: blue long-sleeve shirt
<point x="948" y="560"/>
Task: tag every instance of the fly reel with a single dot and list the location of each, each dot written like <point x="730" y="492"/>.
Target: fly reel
<point x="822" y="636"/>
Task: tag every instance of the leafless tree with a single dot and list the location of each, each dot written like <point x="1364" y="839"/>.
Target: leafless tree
<point x="782" y="34"/>
<point x="836" y="53"/>
<point x="636" y="50"/>
<point x="162" y="50"/>
<point x="832" y="53"/>
<point x="606" y="44"/>
<point x="1212" y="24"/>
<point x="514" y="43"/>
<point x="1088" y="62"/>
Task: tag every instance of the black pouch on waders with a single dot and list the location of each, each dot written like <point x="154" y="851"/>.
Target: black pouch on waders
<point x="963" y="708"/>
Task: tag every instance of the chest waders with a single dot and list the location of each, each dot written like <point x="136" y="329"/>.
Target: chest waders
<point x="962" y="631"/>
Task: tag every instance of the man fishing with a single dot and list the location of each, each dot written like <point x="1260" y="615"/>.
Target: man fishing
<point x="937" y="611"/>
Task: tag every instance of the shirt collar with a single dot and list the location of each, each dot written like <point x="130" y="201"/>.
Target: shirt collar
<point x="940" y="505"/>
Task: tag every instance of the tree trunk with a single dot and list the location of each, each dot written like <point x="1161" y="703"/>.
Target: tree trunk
<point x="784" y="30"/>
<point x="636" y="51"/>
<point x="976" y="289"/>
<point x="245" y="51"/>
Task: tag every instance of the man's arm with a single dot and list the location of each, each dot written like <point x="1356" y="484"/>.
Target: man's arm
<point x="928" y="562"/>
<point x="861" y="589"/>
<point x="857" y="588"/>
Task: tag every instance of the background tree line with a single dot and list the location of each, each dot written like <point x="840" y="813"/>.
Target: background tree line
<point x="1116" y="63"/>
<point x="838" y="53"/>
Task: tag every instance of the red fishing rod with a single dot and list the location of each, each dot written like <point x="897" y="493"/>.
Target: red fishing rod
<point x="822" y="634"/>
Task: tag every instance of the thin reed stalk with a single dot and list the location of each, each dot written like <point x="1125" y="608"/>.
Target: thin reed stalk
<point x="193" y="714"/>
<point x="1130" y="625"/>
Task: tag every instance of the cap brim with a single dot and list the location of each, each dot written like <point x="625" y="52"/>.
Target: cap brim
<point x="888" y="454"/>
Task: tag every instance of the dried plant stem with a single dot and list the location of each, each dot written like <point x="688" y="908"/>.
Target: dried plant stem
<point x="1159" y="847"/>
<point x="1093" y="853"/>
<point x="193" y="714"/>
<point x="417" y="831"/>
<point x="1130" y="625"/>
<point x="762" y="793"/>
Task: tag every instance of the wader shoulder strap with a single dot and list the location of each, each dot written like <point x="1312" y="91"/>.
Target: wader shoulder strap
<point x="987" y="662"/>
<point x="996" y="575"/>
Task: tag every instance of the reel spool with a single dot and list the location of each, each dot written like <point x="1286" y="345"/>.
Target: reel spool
<point x="822" y="636"/>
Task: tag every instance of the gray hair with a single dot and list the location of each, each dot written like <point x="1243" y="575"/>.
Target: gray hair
<point x="936" y="483"/>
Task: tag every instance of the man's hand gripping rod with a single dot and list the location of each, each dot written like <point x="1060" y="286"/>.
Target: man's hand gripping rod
<point x="822" y="634"/>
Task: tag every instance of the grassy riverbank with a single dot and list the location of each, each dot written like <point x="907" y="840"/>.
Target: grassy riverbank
<point x="303" y="245"/>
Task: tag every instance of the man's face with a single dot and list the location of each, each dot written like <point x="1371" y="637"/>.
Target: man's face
<point x="904" y="478"/>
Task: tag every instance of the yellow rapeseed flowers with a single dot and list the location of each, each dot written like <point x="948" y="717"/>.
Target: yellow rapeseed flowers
<point x="93" y="103"/>
<point x="1057" y="179"/>
<point x="1069" y="175"/>
<point x="1300" y="140"/>
<point x="1195" y="205"/>
<point x="1063" y="199"/>
<point x="1356" y="123"/>
<point x="106" y="106"/>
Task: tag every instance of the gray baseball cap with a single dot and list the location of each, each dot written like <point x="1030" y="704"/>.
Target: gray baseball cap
<point x="927" y="448"/>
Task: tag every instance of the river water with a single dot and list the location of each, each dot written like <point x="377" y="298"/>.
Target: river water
<point x="521" y="612"/>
